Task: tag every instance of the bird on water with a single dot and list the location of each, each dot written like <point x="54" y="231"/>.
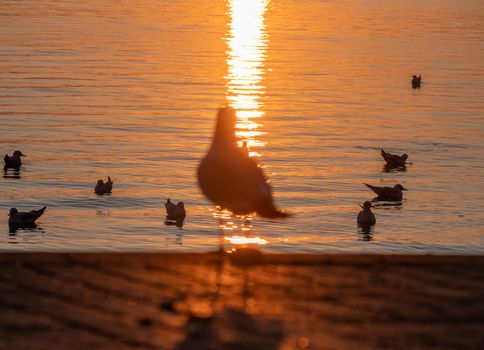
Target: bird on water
<point x="24" y="219"/>
<point x="391" y="194"/>
<point x="230" y="178"/>
<point x="394" y="160"/>
<point x="103" y="187"/>
<point x="366" y="216"/>
<point x="416" y="81"/>
<point x="13" y="162"/>
<point x="175" y="212"/>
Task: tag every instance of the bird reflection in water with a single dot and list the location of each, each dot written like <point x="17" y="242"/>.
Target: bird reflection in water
<point x="390" y="169"/>
<point x="366" y="232"/>
<point x="14" y="230"/>
<point x="235" y="231"/>
<point x="11" y="175"/>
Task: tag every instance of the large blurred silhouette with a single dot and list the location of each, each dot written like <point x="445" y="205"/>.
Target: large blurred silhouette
<point x="230" y="178"/>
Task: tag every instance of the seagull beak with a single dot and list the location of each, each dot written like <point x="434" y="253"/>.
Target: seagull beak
<point x="361" y="206"/>
<point x="404" y="189"/>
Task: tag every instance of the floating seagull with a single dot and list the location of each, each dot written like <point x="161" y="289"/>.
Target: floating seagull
<point x="390" y="194"/>
<point x="366" y="217"/>
<point x="230" y="178"/>
<point x="14" y="162"/>
<point x="393" y="160"/>
<point x="175" y="212"/>
<point x="24" y="219"/>
<point x="103" y="187"/>
<point x="416" y="80"/>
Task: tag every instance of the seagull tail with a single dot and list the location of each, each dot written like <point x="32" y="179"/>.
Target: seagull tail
<point x="273" y="213"/>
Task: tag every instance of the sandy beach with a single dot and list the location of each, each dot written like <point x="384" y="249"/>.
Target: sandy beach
<point x="240" y="301"/>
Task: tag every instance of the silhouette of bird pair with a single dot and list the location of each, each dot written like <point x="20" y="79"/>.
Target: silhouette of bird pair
<point x="103" y="187"/>
<point x="175" y="212"/>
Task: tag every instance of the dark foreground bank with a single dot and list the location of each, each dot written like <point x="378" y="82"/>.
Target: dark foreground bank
<point x="240" y="301"/>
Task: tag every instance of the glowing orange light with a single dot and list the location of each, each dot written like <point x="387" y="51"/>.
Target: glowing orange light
<point x="246" y="240"/>
<point x="246" y="43"/>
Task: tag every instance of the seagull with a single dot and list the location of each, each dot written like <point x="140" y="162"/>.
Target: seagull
<point x="175" y="212"/>
<point x="103" y="187"/>
<point x="390" y="194"/>
<point x="366" y="217"/>
<point x="416" y="80"/>
<point x="14" y="162"/>
<point x="231" y="179"/>
<point x="23" y="219"/>
<point x="393" y="160"/>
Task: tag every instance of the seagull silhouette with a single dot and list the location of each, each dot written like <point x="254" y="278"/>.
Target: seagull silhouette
<point x="14" y="162"/>
<point x="391" y="194"/>
<point x="394" y="160"/>
<point x="366" y="216"/>
<point x="103" y="187"/>
<point x="175" y="212"/>
<point x="22" y="219"/>
<point x="230" y="178"/>
<point x="416" y="81"/>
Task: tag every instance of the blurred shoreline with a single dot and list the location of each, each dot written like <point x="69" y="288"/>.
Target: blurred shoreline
<point x="243" y="300"/>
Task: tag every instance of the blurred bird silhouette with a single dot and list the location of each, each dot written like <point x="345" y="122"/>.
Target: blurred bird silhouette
<point x="416" y="81"/>
<point x="103" y="187"/>
<point x="393" y="160"/>
<point x="230" y="178"/>
<point x="24" y="219"/>
<point x="366" y="216"/>
<point x="175" y="212"/>
<point x="14" y="162"/>
<point x="390" y="194"/>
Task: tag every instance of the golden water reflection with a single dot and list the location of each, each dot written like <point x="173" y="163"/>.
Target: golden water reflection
<point x="246" y="42"/>
<point x="246" y="52"/>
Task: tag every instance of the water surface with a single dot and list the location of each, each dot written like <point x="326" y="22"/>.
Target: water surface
<point x="129" y="90"/>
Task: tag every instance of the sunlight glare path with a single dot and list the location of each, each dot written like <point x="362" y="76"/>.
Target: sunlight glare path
<point x="246" y="53"/>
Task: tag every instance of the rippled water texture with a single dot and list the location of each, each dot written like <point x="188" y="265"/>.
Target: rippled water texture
<point x="130" y="90"/>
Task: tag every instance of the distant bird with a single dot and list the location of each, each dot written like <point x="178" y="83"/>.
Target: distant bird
<point x="416" y="80"/>
<point x="393" y="160"/>
<point x="390" y="194"/>
<point x="24" y="219"/>
<point x="103" y="187"/>
<point x="175" y="212"/>
<point x="14" y="162"/>
<point x="230" y="178"/>
<point x="366" y="216"/>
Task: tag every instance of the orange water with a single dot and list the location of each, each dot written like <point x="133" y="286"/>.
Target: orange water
<point x="93" y="89"/>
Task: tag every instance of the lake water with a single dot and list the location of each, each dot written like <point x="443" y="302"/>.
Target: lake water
<point x="130" y="90"/>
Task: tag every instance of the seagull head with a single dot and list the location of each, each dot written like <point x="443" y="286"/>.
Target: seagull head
<point x="399" y="187"/>
<point x="367" y="205"/>
<point x="13" y="211"/>
<point x="404" y="156"/>
<point x="225" y="128"/>
<point x="18" y="154"/>
<point x="100" y="182"/>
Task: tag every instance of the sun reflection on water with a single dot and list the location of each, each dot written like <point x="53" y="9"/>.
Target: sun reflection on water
<point x="246" y="52"/>
<point x="246" y="42"/>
